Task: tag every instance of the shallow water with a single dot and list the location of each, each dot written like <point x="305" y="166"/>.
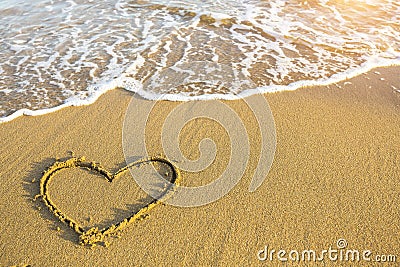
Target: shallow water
<point x="59" y="53"/>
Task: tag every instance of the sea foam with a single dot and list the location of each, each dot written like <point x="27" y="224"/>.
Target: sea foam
<point x="64" y="53"/>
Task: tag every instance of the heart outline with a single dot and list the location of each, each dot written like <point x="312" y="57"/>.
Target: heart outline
<point x="94" y="235"/>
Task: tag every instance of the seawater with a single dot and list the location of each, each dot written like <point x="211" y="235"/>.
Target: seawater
<point x="57" y="53"/>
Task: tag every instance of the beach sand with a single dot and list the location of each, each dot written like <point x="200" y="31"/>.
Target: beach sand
<point x="335" y="176"/>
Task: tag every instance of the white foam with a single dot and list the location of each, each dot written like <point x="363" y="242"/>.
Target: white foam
<point x="136" y="87"/>
<point x="100" y="53"/>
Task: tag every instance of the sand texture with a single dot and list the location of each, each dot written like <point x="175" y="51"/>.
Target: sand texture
<point x="335" y="176"/>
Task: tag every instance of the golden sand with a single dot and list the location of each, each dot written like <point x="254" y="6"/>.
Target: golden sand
<point x="94" y="235"/>
<point x="335" y="176"/>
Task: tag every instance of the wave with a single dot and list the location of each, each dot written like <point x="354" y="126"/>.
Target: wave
<point x="65" y="53"/>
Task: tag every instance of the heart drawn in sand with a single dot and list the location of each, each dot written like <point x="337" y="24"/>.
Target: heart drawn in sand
<point x="95" y="235"/>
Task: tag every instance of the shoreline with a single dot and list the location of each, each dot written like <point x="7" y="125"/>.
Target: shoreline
<point x="118" y="84"/>
<point x="335" y="175"/>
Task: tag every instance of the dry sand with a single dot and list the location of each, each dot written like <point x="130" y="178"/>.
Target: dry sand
<point x="335" y="175"/>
